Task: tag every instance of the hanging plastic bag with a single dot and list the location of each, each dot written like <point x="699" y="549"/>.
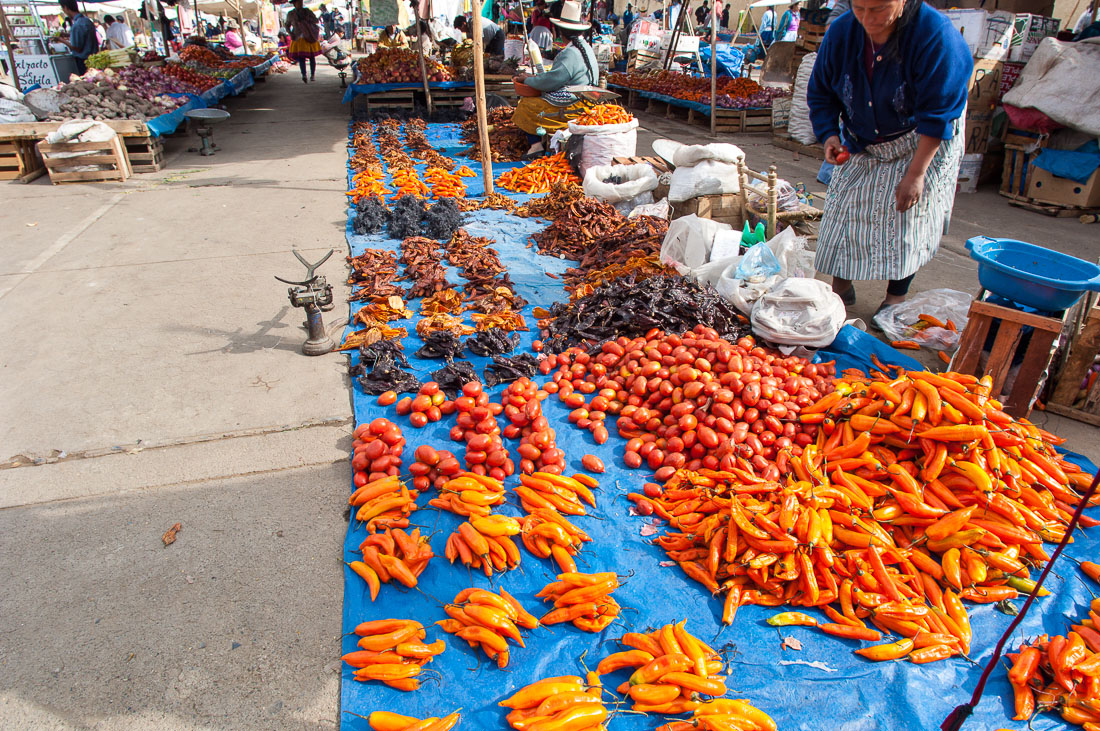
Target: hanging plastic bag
<point x="759" y="261"/>
<point x="798" y="311"/>
<point x="688" y="241"/>
<point x="903" y="320"/>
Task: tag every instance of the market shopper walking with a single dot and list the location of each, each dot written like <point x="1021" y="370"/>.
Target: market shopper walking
<point x="889" y="90"/>
<point x="305" y="38"/>
<point x="82" y="41"/>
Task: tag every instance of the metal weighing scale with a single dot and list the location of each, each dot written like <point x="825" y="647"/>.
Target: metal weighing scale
<point x="204" y="120"/>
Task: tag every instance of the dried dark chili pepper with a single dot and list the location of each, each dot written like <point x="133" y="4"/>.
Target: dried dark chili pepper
<point x="380" y="369"/>
<point x="506" y="370"/>
<point x="452" y="376"/>
<point x="492" y="342"/>
<point x="441" y="345"/>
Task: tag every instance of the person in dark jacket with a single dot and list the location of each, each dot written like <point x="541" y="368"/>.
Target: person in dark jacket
<point x="82" y="40"/>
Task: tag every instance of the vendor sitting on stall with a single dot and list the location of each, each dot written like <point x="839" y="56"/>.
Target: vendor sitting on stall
<point x="492" y="35"/>
<point x="573" y="66"/>
<point x="234" y="38"/>
<point x="393" y="37"/>
<point x="82" y="41"/>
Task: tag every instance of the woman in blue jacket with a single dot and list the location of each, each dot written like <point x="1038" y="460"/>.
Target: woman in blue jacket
<point x="889" y="89"/>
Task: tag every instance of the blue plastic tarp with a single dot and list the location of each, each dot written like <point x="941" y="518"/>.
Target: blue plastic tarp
<point x="240" y="82"/>
<point x="730" y="59"/>
<point x="214" y="94"/>
<point x="354" y="90"/>
<point x="166" y="124"/>
<point x="823" y="686"/>
<point x="1076" y="165"/>
<point x="261" y="68"/>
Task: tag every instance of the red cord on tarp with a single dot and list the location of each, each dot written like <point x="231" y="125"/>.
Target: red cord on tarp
<point x="958" y="716"/>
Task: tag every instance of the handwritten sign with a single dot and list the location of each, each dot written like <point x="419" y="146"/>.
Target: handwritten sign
<point x="35" y="70"/>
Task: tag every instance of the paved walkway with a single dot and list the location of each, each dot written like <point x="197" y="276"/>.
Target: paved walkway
<point x="151" y="374"/>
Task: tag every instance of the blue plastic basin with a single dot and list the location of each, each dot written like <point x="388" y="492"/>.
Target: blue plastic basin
<point x="1031" y="275"/>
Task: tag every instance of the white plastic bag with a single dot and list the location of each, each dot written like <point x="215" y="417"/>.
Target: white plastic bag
<point x="604" y="142"/>
<point x="902" y="321"/>
<point x="710" y="273"/>
<point x="790" y="249"/>
<point x="689" y="155"/>
<point x="798" y="311"/>
<point x="660" y="209"/>
<point x="798" y="125"/>
<point x="636" y="188"/>
<point x="13" y="111"/>
<point x="81" y="130"/>
<point x="709" y="177"/>
<point x="741" y="293"/>
<point x="688" y="242"/>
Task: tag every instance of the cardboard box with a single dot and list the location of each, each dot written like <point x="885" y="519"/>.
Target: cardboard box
<point x="971" y="23"/>
<point x="721" y="207"/>
<point x="1010" y="73"/>
<point x="982" y="96"/>
<point x="781" y="112"/>
<point x="643" y="42"/>
<point x="1030" y="32"/>
<point x="1000" y="29"/>
<point x="1045" y="187"/>
<point x="970" y="171"/>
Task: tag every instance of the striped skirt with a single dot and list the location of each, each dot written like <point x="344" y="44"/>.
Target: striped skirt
<point x="862" y="236"/>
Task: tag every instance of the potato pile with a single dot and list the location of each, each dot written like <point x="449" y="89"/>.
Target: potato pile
<point x="102" y="100"/>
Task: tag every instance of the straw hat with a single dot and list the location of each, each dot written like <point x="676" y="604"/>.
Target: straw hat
<point x="571" y="17"/>
<point x="231" y="25"/>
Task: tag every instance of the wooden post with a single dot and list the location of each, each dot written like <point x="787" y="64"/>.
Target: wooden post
<point x="240" y="21"/>
<point x="8" y="41"/>
<point x="773" y="201"/>
<point x="420" y="54"/>
<point x="479" y="99"/>
<point x="674" y="40"/>
<point x="714" y="68"/>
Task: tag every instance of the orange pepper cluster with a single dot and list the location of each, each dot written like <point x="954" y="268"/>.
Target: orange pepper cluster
<point x="1061" y="673"/>
<point x="583" y="599"/>
<point x="539" y="176"/>
<point x="724" y="714"/>
<point x="384" y="503"/>
<point x="367" y="183"/>
<point x="387" y="721"/>
<point x="392" y="554"/>
<point x="918" y="493"/>
<point x="488" y="621"/>
<point x="465" y="172"/>
<point x="670" y="667"/>
<point x="562" y="702"/>
<point x="604" y="114"/>
<point x="407" y="182"/>
<point x="445" y="184"/>
<point x="393" y="652"/>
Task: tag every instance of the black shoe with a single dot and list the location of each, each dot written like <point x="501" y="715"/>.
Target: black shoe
<point x="848" y="296"/>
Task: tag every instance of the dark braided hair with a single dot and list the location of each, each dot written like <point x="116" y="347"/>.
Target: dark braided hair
<point x="908" y="14"/>
<point x="574" y="37"/>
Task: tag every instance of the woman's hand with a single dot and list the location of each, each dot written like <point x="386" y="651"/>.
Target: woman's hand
<point x="909" y="191"/>
<point x="519" y="77"/>
<point x="833" y="148"/>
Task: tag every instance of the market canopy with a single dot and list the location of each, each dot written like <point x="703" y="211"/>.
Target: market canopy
<point x="248" y="8"/>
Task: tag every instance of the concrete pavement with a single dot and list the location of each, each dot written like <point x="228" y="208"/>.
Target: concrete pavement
<point x="151" y="375"/>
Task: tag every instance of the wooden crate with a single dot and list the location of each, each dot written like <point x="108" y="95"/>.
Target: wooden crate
<point x="810" y="36"/>
<point x="19" y="160"/>
<point x="402" y="98"/>
<point x="757" y="120"/>
<point x="781" y="139"/>
<point x="1007" y="344"/>
<point x="657" y="163"/>
<point x="145" y="154"/>
<point x="642" y="60"/>
<point x="1067" y="398"/>
<point x="62" y="169"/>
<point x="1014" y="175"/>
<point x="722" y="207"/>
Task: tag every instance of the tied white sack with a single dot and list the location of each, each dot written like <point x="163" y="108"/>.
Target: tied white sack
<point x="1058" y="80"/>
<point x="798" y="311"/>
<point x="688" y="242"/>
<point x="798" y="125"/>
<point x="709" y="177"/>
<point x="636" y="188"/>
<point x="81" y="130"/>
<point x="12" y="111"/>
<point x="660" y="209"/>
<point x="605" y="142"/>
<point x="688" y="155"/>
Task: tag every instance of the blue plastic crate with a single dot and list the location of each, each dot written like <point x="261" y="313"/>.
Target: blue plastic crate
<point x="1032" y="275"/>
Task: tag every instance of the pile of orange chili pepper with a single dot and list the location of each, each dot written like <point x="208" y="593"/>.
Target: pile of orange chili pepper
<point x="539" y="176"/>
<point x="671" y="669"/>
<point x="392" y="554"/>
<point x="445" y="184"/>
<point x="387" y="721"/>
<point x="384" y="503"/>
<point x="407" y="182"/>
<point x="583" y="599"/>
<point x="604" y="114"/>
<point x="1062" y="674"/>
<point x="919" y="493"/>
<point x="548" y="534"/>
<point x="485" y="542"/>
<point x="488" y="621"/>
<point x="367" y="183"/>
<point x="724" y="714"/>
<point x="392" y="651"/>
<point x="558" y="703"/>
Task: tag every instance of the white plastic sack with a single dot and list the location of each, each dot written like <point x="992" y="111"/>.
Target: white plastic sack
<point x="7" y="91"/>
<point x="741" y="293"/>
<point x="798" y="311"/>
<point x="637" y="187"/>
<point x="794" y="257"/>
<point x="81" y="130"/>
<point x="1056" y="81"/>
<point x="902" y="321"/>
<point x="688" y="242"/>
<point x="798" y="125"/>
<point x="709" y="177"/>
<point x="13" y="111"/>
<point x="688" y="155"/>
<point x="604" y="142"/>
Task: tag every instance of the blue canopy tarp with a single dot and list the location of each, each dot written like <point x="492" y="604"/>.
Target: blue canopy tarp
<point x="822" y="686"/>
<point x="730" y="59"/>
